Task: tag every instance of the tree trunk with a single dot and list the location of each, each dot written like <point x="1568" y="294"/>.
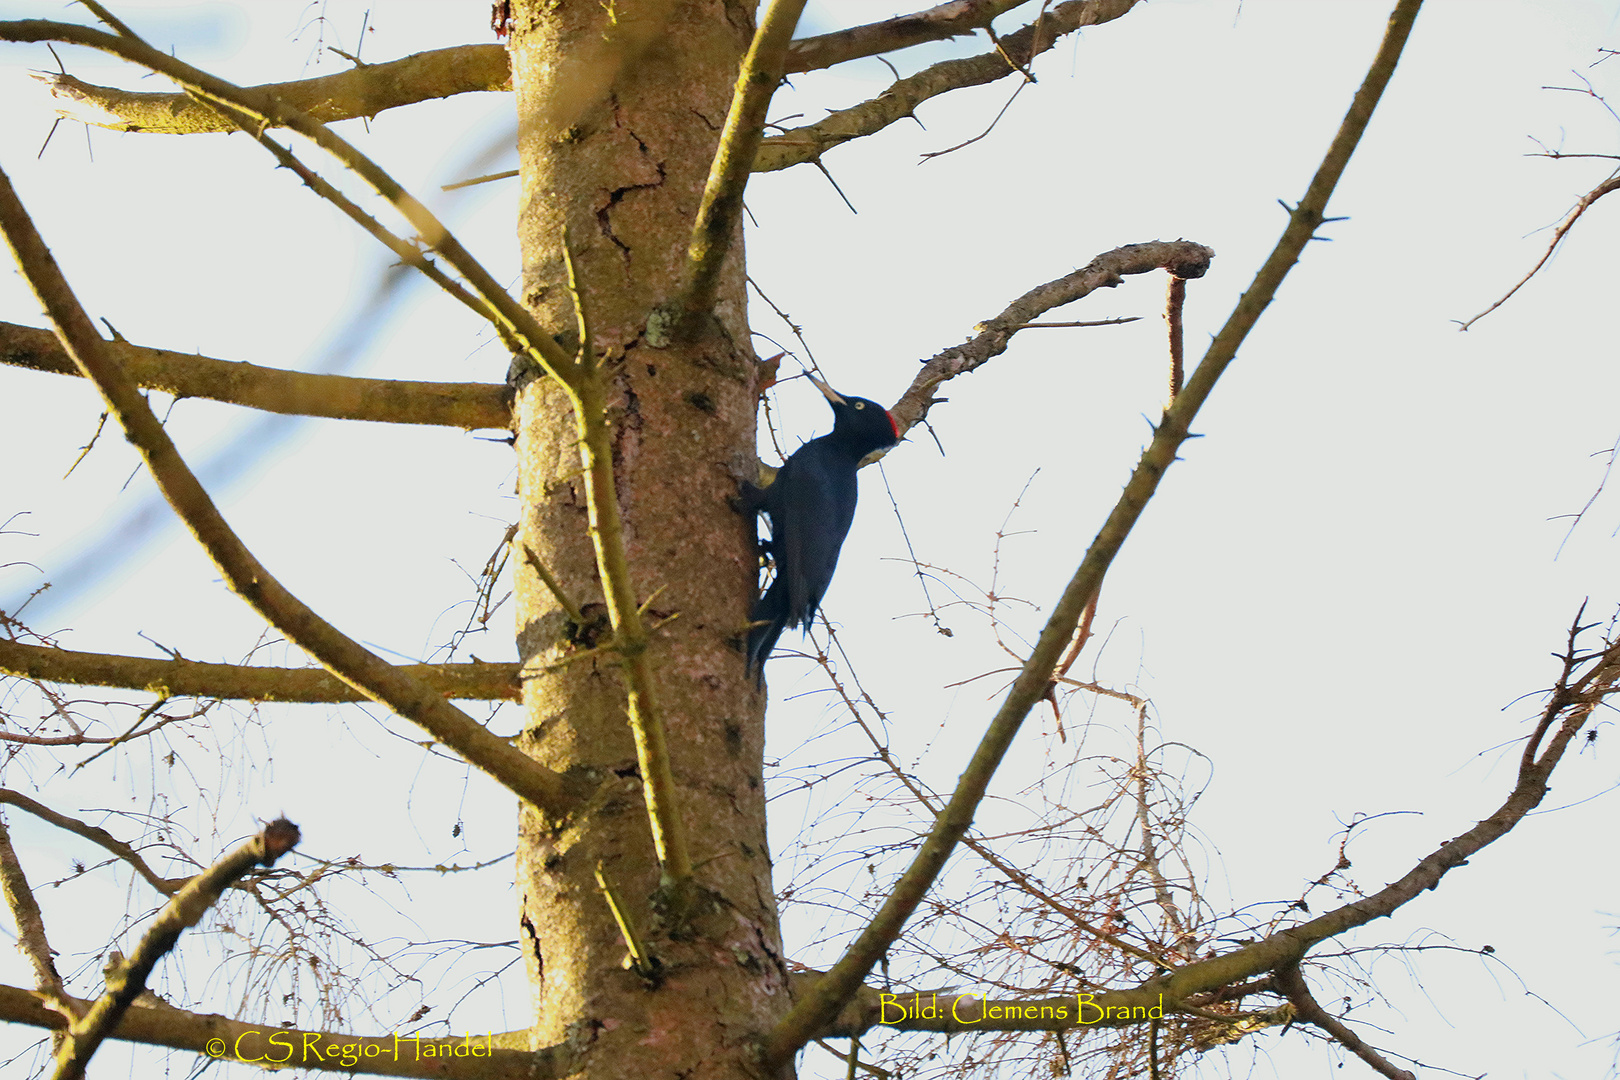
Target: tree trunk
<point x="620" y="109"/>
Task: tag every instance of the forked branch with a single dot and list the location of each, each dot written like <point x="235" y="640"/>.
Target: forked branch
<point x="901" y="99"/>
<point x="1306" y="1008"/>
<point x="1182" y="258"/>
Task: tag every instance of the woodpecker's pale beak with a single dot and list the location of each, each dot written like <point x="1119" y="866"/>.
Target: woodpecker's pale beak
<point x="830" y="394"/>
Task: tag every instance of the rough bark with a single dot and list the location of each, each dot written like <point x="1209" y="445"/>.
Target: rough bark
<point x="623" y="173"/>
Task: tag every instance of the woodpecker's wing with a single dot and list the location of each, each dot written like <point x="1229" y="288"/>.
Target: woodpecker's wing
<point x="811" y="506"/>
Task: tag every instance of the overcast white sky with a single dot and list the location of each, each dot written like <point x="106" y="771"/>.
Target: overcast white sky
<point x="1338" y="598"/>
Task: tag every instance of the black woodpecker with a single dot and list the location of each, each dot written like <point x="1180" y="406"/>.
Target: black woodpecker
<point x="811" y="504"/>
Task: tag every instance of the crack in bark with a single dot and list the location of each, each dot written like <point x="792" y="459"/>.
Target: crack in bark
<point x="534" y="946"/>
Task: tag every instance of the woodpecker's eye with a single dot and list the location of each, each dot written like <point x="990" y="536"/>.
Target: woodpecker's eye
<point x="860" y="404"/>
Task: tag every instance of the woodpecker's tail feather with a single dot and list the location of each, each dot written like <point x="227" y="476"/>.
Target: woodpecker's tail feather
<point x="770" y="616"/>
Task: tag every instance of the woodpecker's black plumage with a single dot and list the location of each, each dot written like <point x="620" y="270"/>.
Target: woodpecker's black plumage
<point x="811" y="504"/>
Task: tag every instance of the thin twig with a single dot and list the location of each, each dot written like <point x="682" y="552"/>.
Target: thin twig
<point x="588" y="391"/>
<point x="1072" y="325"/>
<point x="930" y="155"/>
<point x="407" y="253"/>
<point x="459" y="184"/>
<point x="1585" y="204"/>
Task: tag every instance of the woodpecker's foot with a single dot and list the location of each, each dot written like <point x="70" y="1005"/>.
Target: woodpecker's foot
<point x="749" y="498"/>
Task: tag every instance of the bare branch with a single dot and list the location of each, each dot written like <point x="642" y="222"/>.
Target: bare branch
<point x="1292" y="983"/>
<point x="246" y="576"/>
<point x="31" y="939"/>
<point x="1175" y="299"/>
<point x="296" y="393"/>
<point x="500" y="1057"/>
<point x="900" y="100"/>
<point x="1182" y="258"/>
<point x="461" y="69"/>
<point x="188" y="678"/>
<point x="811" y="1013"/>
<point x="126" y="981"/>
<point x="374" y="88"/>
<point x="360" y="91"/>
<point x="718" y="214"/>
<point x="903" y="31"/>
